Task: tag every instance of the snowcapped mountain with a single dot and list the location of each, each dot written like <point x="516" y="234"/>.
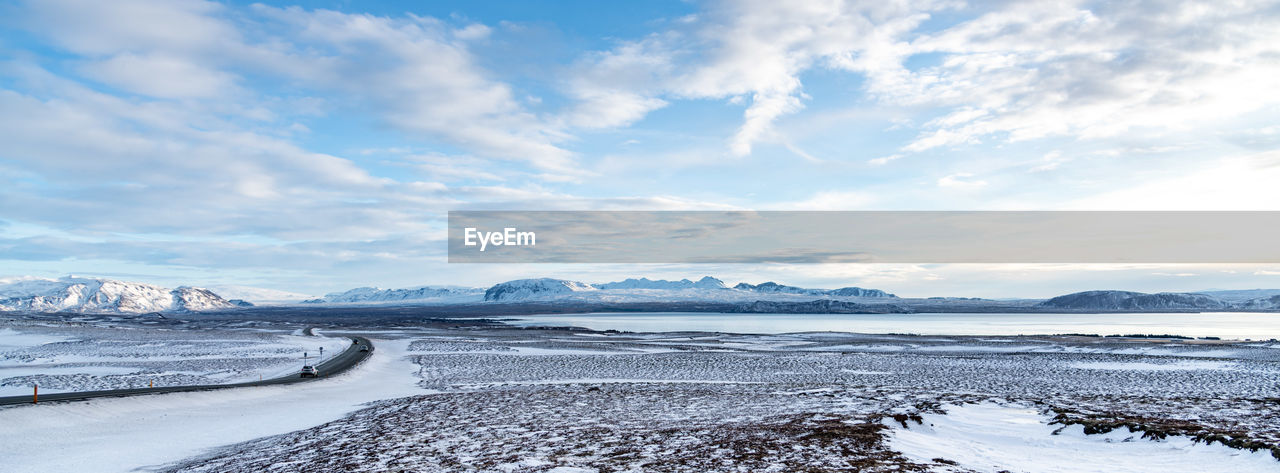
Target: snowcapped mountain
<point x="853" y="291"/>
<point x="707" y="289"/>
<point x="775" y="288"/>
<point x="424" y="295"/>
<point x="75" y="294"/>
<point x="258" y="295"/>
<point x="707" y="282"/>
<point x="534" y="289"/>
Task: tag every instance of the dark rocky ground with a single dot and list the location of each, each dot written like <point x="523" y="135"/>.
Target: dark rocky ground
<point x="568" y="400"/>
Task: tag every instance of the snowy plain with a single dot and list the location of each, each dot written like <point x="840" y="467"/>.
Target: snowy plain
<point x="452" y="396"/>
<point x="538" y="400"/>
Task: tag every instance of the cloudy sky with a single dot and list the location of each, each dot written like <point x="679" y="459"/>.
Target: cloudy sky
<point x="316" y="146"/>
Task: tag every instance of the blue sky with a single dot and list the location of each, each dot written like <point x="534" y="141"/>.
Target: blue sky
<point x="316" y="146"/>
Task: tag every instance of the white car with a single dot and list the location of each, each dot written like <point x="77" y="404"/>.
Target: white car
<point x="309" y="371"/>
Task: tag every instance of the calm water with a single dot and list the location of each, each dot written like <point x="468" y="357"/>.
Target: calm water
<point x="1229" y="325"/>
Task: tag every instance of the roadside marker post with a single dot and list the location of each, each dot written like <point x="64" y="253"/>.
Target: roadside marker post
<point x="35" y="394"/>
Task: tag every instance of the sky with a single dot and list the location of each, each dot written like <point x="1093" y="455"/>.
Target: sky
<point x="317" y="146"/>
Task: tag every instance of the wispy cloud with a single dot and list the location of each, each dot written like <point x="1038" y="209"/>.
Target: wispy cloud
<point x="1050" y="161"/>
<point x="1014" y="73"/>
<point x="962" y="180"/>
<point x="1086" y="70"/>
<point x="885" y="159"/>
<point x="417" y="73"/>
<point x="751" y="52"/>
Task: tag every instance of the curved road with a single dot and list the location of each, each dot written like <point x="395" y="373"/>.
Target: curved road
<point x="338" y="364"/>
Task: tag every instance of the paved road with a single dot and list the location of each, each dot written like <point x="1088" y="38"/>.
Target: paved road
<point x="344" y="361"/>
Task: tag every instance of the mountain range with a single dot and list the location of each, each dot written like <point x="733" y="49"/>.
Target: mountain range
<point x="647" y="290"/>
<point x="95" y="295"/>
<point x="368" y="295"/>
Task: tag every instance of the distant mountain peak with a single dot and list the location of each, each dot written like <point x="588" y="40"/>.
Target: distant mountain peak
<point x="775" y="288"/>
<point x="707" y="282"/>
<point x="374" y="295"/>
<point x="532" y="289"/>
<point x="79" y="294"/>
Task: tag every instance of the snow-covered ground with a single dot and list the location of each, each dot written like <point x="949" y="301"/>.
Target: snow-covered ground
<point x="450" y="397"/>
<point x="124" y="434"/>
<point x="520" y="400"/>
<point x="86" y="357"/>
<point x="989" y="437"/>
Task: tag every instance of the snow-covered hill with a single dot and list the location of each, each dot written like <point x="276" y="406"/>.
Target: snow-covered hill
<point x="76" y="294"/>
<point x="424" y="295"/>
<point x="1125" y="300"/>
<point x="534" y="289"/>
<point x="1261" y="303"/>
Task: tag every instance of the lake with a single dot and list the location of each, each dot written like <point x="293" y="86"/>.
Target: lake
<point x="1226" y="325"/>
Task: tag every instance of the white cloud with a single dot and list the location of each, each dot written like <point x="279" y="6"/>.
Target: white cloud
<point x="884" y="159"/>
<point x="161" y="76"/>
<point x="962" y="180"/>
<point x="604" y="108"/>
<point x="1049" y="162"/>
<point x="104" y="170"/>
<point x="472" y="32"/>
<point x="110" y="28"/>
<point x="143" y="184"/>
<point x="1087" y="70"/>
<point x="422" y="79"/>
<point x="418" y="74"/>
<point x="802" y="153"/>
<point x="618" y="87"/>
<point x="1232" y="183"/>
<point x="832" y="200"/>
<point x="755" y="49"/>
<point x="1013" y="72"/>
<point x="759" y="117"/>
